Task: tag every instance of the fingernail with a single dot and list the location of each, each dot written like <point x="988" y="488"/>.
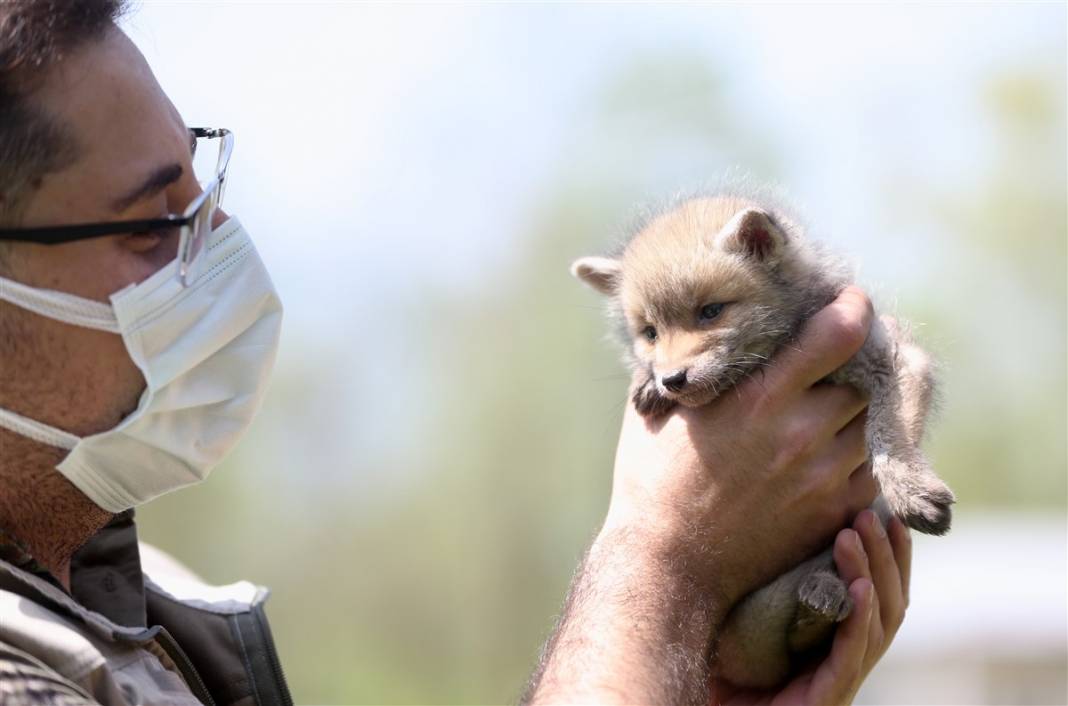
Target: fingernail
<point x="860" y="544"/>
<point x="877" y="525"/>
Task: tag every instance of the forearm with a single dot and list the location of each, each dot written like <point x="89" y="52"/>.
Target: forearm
<point x="634" y="629"/>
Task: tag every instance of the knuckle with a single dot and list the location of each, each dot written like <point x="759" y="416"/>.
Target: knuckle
<point x="847" y="398"/>
<point x="795" y="443"/>
<point x="856" y="467"/>
<point x="858" y="299"/>
<point x="858" y="453"/>
<point x="849" y="329"/>
<point x="855" y="433"/>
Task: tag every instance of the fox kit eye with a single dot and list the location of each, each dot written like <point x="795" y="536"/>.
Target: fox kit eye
<point x="650" y="333"/>
<point x="709" y="312"/>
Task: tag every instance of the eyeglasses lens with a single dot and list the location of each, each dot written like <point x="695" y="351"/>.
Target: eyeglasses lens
<point x="214" y="167"/>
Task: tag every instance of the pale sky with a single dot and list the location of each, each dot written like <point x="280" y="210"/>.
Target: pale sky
<point x="387" y="151"/>
<point x="368" y="133"/>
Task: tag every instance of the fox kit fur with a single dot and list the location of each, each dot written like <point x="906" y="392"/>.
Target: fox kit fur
<point x="704" y="292"/>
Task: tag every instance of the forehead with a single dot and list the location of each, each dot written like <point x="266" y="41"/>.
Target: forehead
<point x="124" y="125"/>
<point x="670" y="266"/>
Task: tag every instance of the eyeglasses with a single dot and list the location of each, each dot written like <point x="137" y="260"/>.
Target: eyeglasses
<point x="194" y="223"/>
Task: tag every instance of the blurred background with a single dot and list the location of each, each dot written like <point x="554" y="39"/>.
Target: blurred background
<point x="436" y="450"/>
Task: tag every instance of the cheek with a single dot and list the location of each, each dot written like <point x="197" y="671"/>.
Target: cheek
<point x="642" y="349"/>
<point x="77" y="379"/>
<point x="163" y="251"/>
<point x="711" y="341"/>
<point x="724" y="339"/>
<point x="109" y="381"/>
<point x="93" y="268"/>
<point x="713" y="351"/>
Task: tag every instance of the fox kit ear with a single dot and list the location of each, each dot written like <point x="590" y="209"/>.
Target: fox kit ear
<point x="601" y="273"/>
<point x="751" y="233"/>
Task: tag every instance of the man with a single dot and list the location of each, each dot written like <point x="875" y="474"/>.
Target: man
<point x="137" y="328"/>
<point x="112" y="394"/>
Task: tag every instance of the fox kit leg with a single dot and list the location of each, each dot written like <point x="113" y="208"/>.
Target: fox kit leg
<point x="647" y="398"/>
<point x="790" y="615"/>
<point x="911" y="488"/>
<point x="915" y="379"/>
<point x="915" y="494"/>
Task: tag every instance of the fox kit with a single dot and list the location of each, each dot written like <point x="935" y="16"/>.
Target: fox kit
<point x="704" y="292"/>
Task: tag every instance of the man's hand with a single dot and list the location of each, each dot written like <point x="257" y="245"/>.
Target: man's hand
<point x="731" y="494"/>
<point x="707" y="505"/>
<point x="878" y="578"/>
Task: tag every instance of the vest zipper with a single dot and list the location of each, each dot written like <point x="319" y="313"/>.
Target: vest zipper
<point x="185" y="666"/>
<point x="272" y="655"/>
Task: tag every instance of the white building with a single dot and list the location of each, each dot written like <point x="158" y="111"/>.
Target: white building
<point x="988" y="620"/>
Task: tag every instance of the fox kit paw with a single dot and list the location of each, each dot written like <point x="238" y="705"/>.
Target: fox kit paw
<point x="648" y="400"/>
<point x="916" y="494"/>
<point x="823" y="601"/>
<point x="928" y="509"/>
<point x="825" y="595"/>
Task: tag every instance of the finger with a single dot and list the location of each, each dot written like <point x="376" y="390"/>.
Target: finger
<point x="876" y="634"/>
<point x="848" y="448"/>
<point x="901" y="541"/>
<point x="850" y="557"/>
<point x="854" y="565"/>
<point x="837" y="405"/>
<point x="862" y="489"/>
<point x="884" y="570"/>
<point x="827" y="341"/>
<point x="839" y="676"/>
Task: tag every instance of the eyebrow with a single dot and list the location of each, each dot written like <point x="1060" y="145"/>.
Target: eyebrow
<point x="156" y="182"/>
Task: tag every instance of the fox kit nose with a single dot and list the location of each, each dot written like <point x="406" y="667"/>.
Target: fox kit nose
<point x="675" y="381"/>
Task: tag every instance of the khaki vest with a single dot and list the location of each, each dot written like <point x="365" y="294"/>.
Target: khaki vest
<point x="185" y="643"/>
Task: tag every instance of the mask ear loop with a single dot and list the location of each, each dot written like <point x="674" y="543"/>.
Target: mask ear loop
<point x="68" y="308"/>
<point x="36" y="430"/>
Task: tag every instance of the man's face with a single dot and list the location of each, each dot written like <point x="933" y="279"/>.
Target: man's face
<point x="134" y="161"/>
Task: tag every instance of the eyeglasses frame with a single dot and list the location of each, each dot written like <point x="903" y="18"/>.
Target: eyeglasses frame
<point x="210" y="195"/>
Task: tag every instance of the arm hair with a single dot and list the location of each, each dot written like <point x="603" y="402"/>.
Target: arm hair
<point x="633" y="630"/>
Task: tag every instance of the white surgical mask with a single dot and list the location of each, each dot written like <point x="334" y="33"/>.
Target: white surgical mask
<point x="206" y="353"/>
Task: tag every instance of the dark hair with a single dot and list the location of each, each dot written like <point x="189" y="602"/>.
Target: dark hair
<point x="35" y="34"/>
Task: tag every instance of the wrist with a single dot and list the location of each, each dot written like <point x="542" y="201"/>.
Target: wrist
<point x="671" y="554"/>
<point x="628" y="622"/>
<point x="653" y="569"/>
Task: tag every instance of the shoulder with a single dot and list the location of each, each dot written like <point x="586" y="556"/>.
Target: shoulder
<point x="166" y="576"/>
<point x="26" y="681"/>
